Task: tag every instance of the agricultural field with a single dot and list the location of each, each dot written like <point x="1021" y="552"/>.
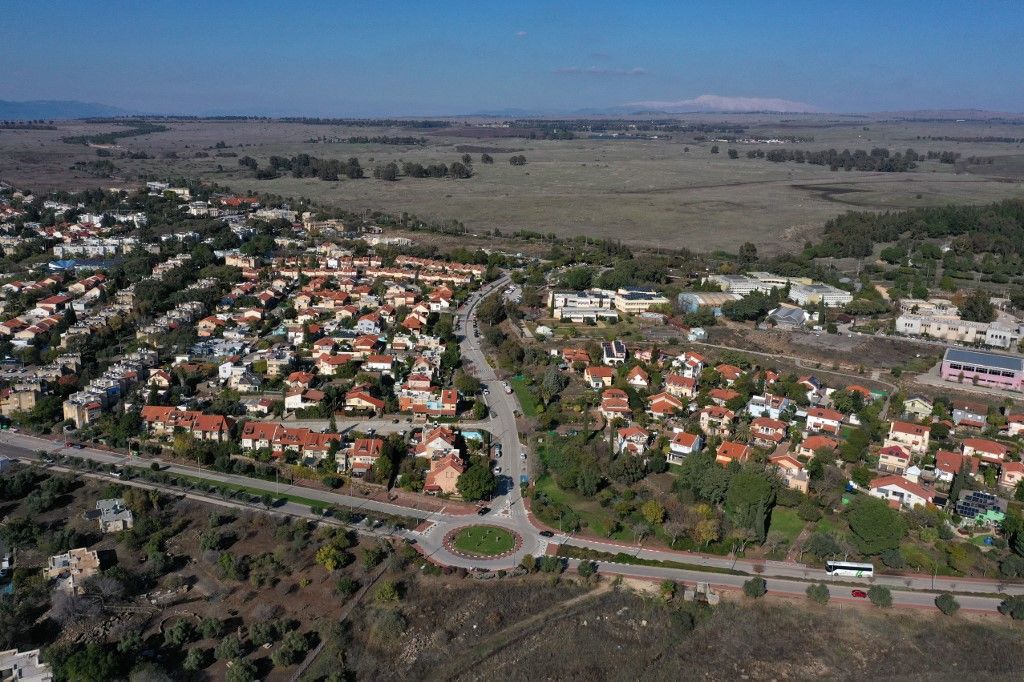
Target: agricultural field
<point x="666" y="192"/>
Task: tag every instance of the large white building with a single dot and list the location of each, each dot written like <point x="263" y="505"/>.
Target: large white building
<point x="1003" y="333"/>
<point x="802" y="290"/>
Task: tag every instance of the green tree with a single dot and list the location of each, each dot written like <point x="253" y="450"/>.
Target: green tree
<point x="977" y="307"/>
<point x="211" y="628"/>
<point x="750" y="500"/>
<point x="180" y="632"/>
<point x="477" y="482"/>
<point x="1013" y="607"/>
<point x="748" y="253"/>
<point x="876" y="527"/>
<point x="818" y="593"/>
<point x="947" y="603"/>
<point x="229" y="648"/>
<point x="196" y="659"/>
<point x="880" y="596"/>
<point x="756" y="587"/>
<point x="653" y="512"/>
<point x="577" y="278"/>
<point x="242" y="670"/>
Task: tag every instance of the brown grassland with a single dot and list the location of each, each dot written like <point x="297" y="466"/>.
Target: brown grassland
<point x="670" y="192"/>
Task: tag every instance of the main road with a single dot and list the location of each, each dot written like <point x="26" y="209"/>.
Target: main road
<point x="508" y="511"/>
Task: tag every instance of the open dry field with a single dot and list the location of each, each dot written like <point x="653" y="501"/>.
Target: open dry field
<point x="670" y="191"/>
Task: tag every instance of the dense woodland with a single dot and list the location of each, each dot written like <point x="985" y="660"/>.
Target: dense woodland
<point x="993" y="228"/>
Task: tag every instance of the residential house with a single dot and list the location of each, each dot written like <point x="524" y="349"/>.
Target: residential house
<point x="598" y="376"/>
<point x="948" y="465"/>
<point x="901" y="492"/>
<point x="918" y="407"/>
<point x="573" y="355"/>
<point x="824" y="420"/>
<point x="730" y="451"/>
<point x="165" y="421"/>
<point x="912" y="437"/>
<point x="989" y="451"/>
<point x="443" y="476"/>
<point x="722" y="396"/>
<point x="893" y="459"/>
<point x="680" y="386"/>
<point x="72" y="568"/>
<point x="664" y="405"/>
<point x="299" y="380"/>
<point x="613" y="353"/>
<point x="437" y="443"/>
<point x="810" y="445"/>
<point x="729" y="373"/>
<point x="767" y="432"/>
<point x="112" y="515"/>
<point x="614" y="403"/>
<point x="792" y="472"/>
<point x="1015" y="424"/>
<point x="768" y="405"/>
<point x="682" y="445"/>
<point x="716" y="421"/>
<point x="638" y="378"/>
<point x="1010" y="475"/>
<point x="691" y="364"/>
<point x="632" y="439"/>
<point x="379" y="363"/>
<point x="301" y="399"/>
<point x="361" y="455"/>
<point x="970" y="414"/>
<point x="209" y="326"/>
<point x="328" y="365"/>
<point x="359" y="398"/>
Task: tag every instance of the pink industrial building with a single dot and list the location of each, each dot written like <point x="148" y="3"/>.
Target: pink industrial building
<point x="984" y="369"/>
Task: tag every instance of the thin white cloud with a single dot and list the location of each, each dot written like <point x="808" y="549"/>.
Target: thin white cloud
<point x="723" y="103"/>
<point x="521" y="34"/>
<point x="600" y="71"/>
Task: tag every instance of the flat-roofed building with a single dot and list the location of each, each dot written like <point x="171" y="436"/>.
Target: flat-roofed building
<point x="987" y="369"/>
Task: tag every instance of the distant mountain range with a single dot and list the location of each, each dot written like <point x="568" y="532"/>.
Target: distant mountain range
<point x="71" y="109"/>
<point x="48" y="109"/>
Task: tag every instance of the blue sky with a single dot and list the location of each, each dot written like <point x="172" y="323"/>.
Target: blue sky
<point x="435" y="58"/>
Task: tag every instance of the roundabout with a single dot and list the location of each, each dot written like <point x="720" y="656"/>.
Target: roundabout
<point x="483" y="542"/>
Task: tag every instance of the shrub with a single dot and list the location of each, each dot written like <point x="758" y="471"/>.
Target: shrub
<point x="755" y="587"/>
<point x="947" y="603"/>
<point x="346" y="587"/>
<point x="818" y="593"/>
<point x="1013" y="607"/>
<point x="893" y="558"/>
<point x="880" y="596"/>
<point x="386" y="592"/>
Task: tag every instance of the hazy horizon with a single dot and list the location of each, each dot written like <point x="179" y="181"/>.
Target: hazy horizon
<point x="408" y="59"/>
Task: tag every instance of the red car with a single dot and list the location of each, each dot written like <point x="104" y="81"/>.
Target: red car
<point x="859" y="594"/>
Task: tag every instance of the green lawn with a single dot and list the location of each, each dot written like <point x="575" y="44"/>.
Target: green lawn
<point x="787" y="522"/>
<point x="484" y="540"/>
<point x="527" y="398"/>
<point x="596" y="519"/>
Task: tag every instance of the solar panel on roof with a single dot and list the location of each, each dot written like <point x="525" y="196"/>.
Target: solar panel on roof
<point x="985" y="359"/>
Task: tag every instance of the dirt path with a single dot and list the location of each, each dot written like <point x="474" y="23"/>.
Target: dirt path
<point x="798" y="542"/>
<point x="520" y="629"/>
<point x="345" y="612"/>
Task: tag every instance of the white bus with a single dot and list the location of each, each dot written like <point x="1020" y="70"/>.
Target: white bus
<point x="849" y="568"/>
